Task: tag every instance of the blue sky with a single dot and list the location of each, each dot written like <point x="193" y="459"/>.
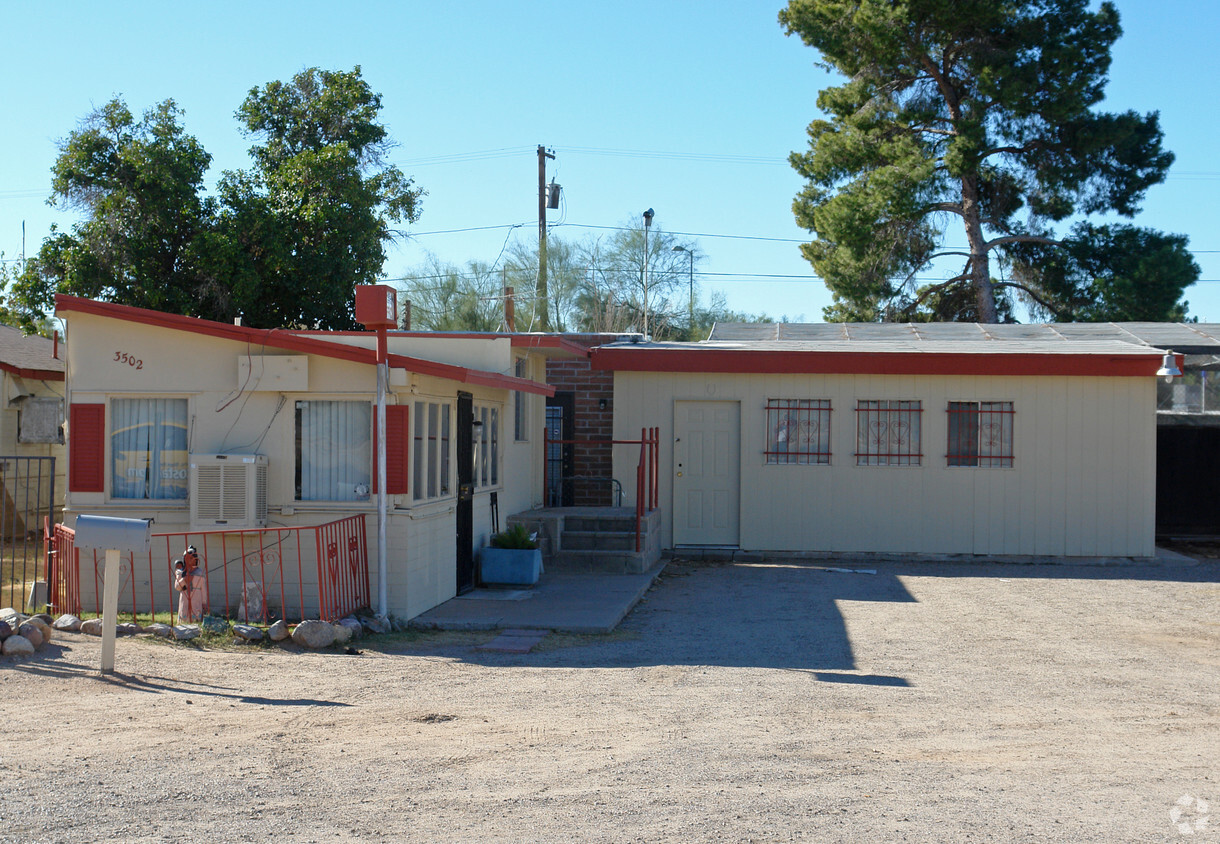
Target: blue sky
<point x="687" y="108"/>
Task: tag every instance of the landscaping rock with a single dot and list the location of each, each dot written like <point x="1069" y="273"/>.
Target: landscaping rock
<point x="127" y="628"/>
<point x="314" y="634"/>
<point x="212" y="624"/>
<point x="9" y="614"/>
<point x="278" y="632"/>
<point x="247" y="632"/>
<point x="67" y="621"/>
<point x="17" y="645"/>
<point x="353" y="624"/>
<point x="159" y="629"/>
<point x="343" y="635"/>
<point x="43" y="617"/>
<point x="31" y="632"/>
<point x="376" y="624"/>
<point x="44" y="627"/>
<point x="5" y="630"/>
<point x="186" y="632"/>
<point x="91" y="627"/>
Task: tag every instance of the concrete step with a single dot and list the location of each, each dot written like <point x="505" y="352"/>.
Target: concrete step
<point x="597" y="541"/>
<point x="612" y="562"/>
<point x="608" y="524"/>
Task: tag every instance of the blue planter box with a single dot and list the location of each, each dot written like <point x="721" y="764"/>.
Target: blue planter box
<point x="510" y="566"/>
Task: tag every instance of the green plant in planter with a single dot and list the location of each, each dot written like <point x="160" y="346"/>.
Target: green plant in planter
<point x="516" y="537"/>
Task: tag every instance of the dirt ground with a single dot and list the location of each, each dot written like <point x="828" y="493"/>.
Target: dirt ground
<point x="765" y="702"/>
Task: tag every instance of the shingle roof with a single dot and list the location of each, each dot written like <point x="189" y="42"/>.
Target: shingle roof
<point x="29" y="355"/>
<point x="1192" y="338"/>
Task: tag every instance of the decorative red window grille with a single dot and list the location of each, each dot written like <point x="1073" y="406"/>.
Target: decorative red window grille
<point x="980" y="434"/>
<point x="888" y="433"/>
<point x="798" y="431"/>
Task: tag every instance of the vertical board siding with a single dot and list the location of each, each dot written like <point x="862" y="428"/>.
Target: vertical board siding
<point x="1082" y="481"/>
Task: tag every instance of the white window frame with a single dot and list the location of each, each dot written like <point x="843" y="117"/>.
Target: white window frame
<point x="431" y="458"/>
<point x="361" y="486"/>
<point x="181" y="474"/>
<point x="521" y="403"/>
<point x="488" y="445"/>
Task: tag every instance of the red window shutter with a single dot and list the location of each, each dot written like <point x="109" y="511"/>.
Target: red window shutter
<point x="397" y="446"/>
<point x="87" y="448"/>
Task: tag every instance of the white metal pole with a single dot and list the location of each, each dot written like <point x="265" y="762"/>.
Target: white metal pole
<point x="382" y="554"/>
<point x="110" y="610"/>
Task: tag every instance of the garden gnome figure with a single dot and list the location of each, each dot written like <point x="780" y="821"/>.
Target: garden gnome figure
<point x="189" y="581"/>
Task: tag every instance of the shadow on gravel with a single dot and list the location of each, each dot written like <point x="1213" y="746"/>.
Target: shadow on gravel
<point x="1186" y="571"/>
<point x="45" y="666"/>
<point x="760" y="615"/>
<point x="161" y="685"/>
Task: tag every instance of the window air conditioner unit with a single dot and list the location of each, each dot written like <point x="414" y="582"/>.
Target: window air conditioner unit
<point x="228" y="491"/>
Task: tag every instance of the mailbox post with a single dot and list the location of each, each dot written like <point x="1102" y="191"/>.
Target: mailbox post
<point x="114" y="536"/>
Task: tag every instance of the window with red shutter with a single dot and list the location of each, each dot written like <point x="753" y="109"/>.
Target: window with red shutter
<point x="87" y="448"/>
<point x="397" y="446"/>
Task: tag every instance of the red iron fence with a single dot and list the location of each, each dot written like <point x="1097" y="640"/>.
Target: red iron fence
<point x="647" y="476"/>
<point x="253" y="576"/>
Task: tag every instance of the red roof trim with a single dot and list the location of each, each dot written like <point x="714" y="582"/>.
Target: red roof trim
<point x="532" y="341"/>
<point x="33" y="374"/>
<point x="280" y="338"/>
<point x="864" y="362"/>
<point x="535" y="341"/>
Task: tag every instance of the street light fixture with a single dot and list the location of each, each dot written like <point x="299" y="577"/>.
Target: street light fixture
<point x="648" y="215"/>
<point x="690" y="254"/>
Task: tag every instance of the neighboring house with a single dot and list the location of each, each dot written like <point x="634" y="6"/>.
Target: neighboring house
<point x="31" y="429"/>
<point x="153" y="395"/>
<point x="898" y="439"/>
<point x="1187" y="409"/>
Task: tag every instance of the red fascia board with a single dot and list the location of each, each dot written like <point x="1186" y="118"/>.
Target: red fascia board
<point x="561" y="344"/>
<point x="744" y="361"/>
<point x="278" y="338"/>
<point x="33" y="374"/>
<point x="479" y="377"/>
<point x="518" y="341"/>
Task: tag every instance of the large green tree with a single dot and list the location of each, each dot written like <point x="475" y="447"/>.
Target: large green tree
<point x="313" y="215"/>
<point x="144" y="238"/>
<point x="282" y="244"/>
<point x="976" y="117"/>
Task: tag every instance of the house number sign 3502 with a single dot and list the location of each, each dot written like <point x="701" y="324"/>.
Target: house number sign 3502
<point x="130" y="360"/>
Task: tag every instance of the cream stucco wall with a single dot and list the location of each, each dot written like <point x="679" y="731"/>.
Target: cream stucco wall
<point x="31" y="487"/>
<point x="227" y="414"/>
<point x="1083" y="481"/>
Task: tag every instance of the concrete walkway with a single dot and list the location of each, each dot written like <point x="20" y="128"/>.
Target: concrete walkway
<point x="561" y="601"/>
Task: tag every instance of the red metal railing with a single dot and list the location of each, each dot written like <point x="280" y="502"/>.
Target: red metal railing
<point x="647" y="473"/>
<point x="268" y="567"/>
<point x="63" y="579"/>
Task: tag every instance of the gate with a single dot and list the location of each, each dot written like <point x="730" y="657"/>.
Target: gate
<point x="27" y="505"/>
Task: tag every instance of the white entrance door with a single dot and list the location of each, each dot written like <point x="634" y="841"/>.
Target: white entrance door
<point x="707" y="469"/>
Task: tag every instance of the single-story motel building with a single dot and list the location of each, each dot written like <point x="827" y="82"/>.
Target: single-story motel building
<point x="153" y="397"/>
<point x="1025" y="447"/>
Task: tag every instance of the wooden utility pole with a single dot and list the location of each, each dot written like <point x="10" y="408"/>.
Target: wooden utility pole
<point x="542" y="297"/>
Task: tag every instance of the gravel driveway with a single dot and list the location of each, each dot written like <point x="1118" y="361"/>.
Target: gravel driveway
<point x="764" y="702"/>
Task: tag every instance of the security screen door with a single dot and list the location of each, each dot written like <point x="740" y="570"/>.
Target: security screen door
<point x="707" y="472"/>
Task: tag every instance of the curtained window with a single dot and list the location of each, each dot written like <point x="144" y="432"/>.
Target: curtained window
<point x="148" y="449"/>
<point x="334" y="450"/>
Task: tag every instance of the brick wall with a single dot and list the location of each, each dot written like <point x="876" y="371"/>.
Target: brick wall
<point x="590" y="420"/>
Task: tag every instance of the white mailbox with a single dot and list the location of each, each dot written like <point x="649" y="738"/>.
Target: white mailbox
<point x="107" y="533"/>
<point x="114" y="536"/>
